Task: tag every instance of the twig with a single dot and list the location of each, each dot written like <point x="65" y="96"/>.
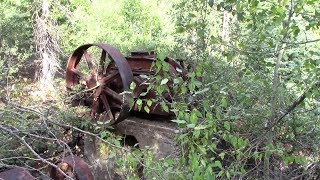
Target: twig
<point x="297" y="102"/>
<point x="302" y="42"/>
<point x="47" y="119"/>
<point x="32" y="150"/>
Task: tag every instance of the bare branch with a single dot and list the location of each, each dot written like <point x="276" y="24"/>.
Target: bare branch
<point x="303" y="42"/>
<point x="295" y="104"/>
<point x="32" y="150"/>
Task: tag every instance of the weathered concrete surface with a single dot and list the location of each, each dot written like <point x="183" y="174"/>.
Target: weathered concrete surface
<point x="159" y="136"/>
<point x="101" y="166"/>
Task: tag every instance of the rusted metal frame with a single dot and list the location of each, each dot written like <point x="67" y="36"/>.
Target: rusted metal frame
<point x="95" y="103"/>
<point x="123" y="69"/>
<point x="113" y="53"/>
<point x="144" y="72"/>
<point x="122" y="64"/>
<point x="102" y="62"/>
<point x="73" y="63"/>
<point x="140" y="63"/>
<point x="139" y="71"/>
<point x="106" y="106"/>
<point x="77" y="165"/>
<point x="77" y="72"/>
<point x="140" y="87"/>
<point x="113" y="94"/>
<point x="109" y="78"/>
<point x="90" y="80"/>
<point x="16" y="174"/>
<point x="90" y="63"/>
<point x="177" y="67"/>
<point x="124" y="112"/>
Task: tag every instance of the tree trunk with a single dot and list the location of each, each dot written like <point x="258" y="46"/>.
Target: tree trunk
<point x="45" y="33"/>
<point x="225" y="29"/>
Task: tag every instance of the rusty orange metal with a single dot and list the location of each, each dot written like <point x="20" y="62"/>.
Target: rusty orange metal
<point x="16" y="174"/>
<point x="108" y="86"/>
<point x="73" y="166"/>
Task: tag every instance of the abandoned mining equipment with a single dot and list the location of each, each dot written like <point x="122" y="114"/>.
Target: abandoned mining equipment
<point x="106" y="83"/>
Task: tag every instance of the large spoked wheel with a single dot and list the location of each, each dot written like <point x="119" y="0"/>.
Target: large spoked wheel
<point x="108" y="84"/>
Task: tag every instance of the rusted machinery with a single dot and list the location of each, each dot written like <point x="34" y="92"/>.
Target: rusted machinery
<point x="107" y="84"/>
<point x="16" y="174"/>
<point x="74" y="167"/>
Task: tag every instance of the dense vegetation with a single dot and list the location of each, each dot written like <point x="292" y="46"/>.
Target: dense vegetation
<point x="250" y="108"/>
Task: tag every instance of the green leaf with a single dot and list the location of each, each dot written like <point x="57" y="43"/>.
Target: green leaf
<point x="180" y="29"/>
<point x="139" y="102"/>
<point x="218" y="116"/>
<point x="160" y="89"/>
<point x="192" y="86"/>
<point x="111" y="155"/>
<point x="200" y="127"/>
<point x="176" y="81"/>
<point x="191" y="126"/>
<point x="224" y="102"/>
<point x="161" y="56"/>
<point x="164" y="81"/>
<point x="184" y="89"/>
<point x="143" y="94"/>
<point x="234" y="141"/>
<point x="117" y="143"/>
<point x="132" y="85"/>
<point x="194" y="118"/>
<point x="296" y="31"/>
<point x="149" y="102"/>
<point x="146" y="109"/>
<point x="104" y="134"/>
<point x="300" y="160"/>
<point x="217" y="164"/>
<point x="289" y="160"/>
<point x="191" y="15"/>
<point x="198" y="83"/>
<point x="221" y="155"/>
<point x="199" y="71"/>
<point x="202" y="91"/>
<point x="179" y="121"/>
<point x="164" y="106"/>
<point x="209" y="173"/>
<point x="241" y="142"/>
<point x="226" y="125"/>
<point x="228" y="174"/>
<point x="196" y="133"/>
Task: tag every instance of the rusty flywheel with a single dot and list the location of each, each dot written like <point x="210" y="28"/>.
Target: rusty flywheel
<point x="109" y="83"/>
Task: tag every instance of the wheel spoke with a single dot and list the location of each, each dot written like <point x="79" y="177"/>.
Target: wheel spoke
<point x="113" y="94"/>
<point x="95" y="103"/>
<point x="106" y="106"/>
<point x="90" y="81"/>
<point x="89" y="62"/>
<point x="94" y="108"/>
<point x="110" y="77"/>
<point x="77" y="72"/>
<point x="102" y="61"/>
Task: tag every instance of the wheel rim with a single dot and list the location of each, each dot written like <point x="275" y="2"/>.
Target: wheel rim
<point x="102" y="78"/>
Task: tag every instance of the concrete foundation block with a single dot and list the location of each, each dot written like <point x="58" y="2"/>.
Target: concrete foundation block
<point x="159" y="136"/>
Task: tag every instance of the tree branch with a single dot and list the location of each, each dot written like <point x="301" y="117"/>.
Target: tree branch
<point x="32" y="150"/>
<point x="295" y="104"/>
<point x="303" y="42"/>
